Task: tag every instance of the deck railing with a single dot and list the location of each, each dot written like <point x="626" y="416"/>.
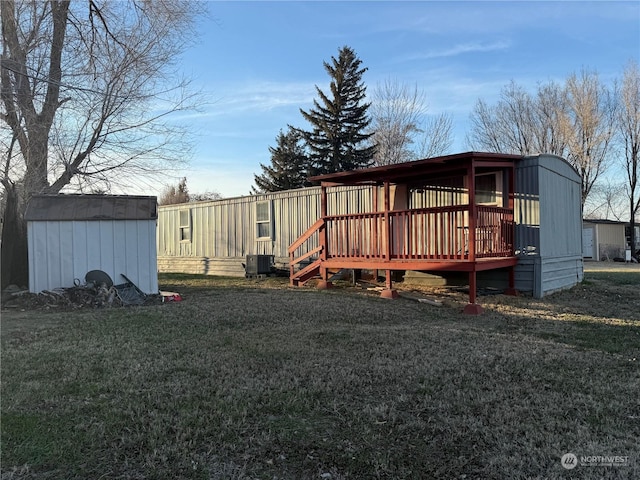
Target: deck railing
<point x="494" y="232"/>
<point x="440" y="233"/>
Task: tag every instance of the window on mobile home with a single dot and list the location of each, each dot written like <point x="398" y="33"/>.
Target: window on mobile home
<point x="185" y="225"/>
<point x="489" y="189"/>
<point x="264" y="230"/>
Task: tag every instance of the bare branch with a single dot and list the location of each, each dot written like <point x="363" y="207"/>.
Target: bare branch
<point x="401" y="132"/>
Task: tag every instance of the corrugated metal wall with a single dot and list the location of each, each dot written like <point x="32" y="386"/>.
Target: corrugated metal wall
<point x="227" y="228"/>
<point x="548" y="215"/>
<point x="611" y="234"/>
<point x="61" y="251"/>
<point x="561" y="208"/>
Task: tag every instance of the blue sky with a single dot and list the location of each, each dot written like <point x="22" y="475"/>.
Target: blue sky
<point x="258" y="63"/>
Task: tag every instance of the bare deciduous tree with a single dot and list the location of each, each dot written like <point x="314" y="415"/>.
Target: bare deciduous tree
<point x="629" y="131"/>
<point x="401" y="132"/>
<point x="605" y="200"/>
<point x="519" y="123"/>
<point x="575" y="121"/>
<point x="436" y="137"/>
<point x="589" y="127"/>
<point x="87" y="90"/>
<point x="174" y="194"/>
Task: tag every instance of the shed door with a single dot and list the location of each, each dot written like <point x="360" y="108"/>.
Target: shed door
<point x="587" y="242"/>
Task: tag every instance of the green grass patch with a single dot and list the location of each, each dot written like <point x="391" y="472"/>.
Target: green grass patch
<point x="615" y="278"/>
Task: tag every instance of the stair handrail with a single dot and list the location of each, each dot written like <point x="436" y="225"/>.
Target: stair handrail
<point x="298" y="243"/>
<point x="305" y="236"/>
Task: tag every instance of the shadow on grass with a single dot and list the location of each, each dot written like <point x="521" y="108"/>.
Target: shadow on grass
<point x="250" y="382"/>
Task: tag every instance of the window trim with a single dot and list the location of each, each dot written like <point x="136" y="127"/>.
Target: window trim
<point x="184" y="229"/>
<point x="268" y="221"/>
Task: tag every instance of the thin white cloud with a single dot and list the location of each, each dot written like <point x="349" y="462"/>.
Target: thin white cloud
<point x="460" y="49"/>
<point x="262" y="96"/>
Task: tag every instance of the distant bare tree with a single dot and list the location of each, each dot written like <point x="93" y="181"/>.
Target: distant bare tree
<point x="589" y="127"/>
<point x="400" y="131"/>
<point x="436" y="138"/>
<point x="575" y="121"/>
<point x="629" y="132"/>
<point x="519" y="123"/>
<point x="174" y="194"/>
<point x="606" y="200"/>
<point x="550" y="119"/>
<point x="205" y="196"/>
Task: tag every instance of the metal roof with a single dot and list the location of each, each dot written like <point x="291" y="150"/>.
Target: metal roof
<point x="91" y="207"/>
<point x="604" y="221"/>
<point x="403" y="172"/>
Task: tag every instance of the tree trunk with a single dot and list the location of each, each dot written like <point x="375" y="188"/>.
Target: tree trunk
<point x="15" y="266"/>
<point x="632" y="228"/>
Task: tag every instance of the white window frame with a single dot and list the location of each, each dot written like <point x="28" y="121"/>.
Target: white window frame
<point x="184" y="227"/>
<point x="262" y="221"/>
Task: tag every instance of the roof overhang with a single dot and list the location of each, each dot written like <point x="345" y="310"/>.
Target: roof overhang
<point x="411" y="172"/>
<point x="72" y="207"/>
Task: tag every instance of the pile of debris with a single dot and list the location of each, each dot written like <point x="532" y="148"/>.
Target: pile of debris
<point x="98" y="291"/>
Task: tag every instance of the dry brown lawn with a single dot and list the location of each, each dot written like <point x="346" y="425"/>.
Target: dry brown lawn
<point x="254" y="379"/>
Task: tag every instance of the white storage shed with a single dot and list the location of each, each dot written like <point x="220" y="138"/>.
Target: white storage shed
<point x="70" y="235"/>
<point x="603" y="239"/>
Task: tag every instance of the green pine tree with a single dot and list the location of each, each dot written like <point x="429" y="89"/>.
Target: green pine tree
<point x="338" y="139"/>
<point x="289" y="165"/>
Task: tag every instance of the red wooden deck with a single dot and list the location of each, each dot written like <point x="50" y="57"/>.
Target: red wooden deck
<point x="468" y="238"/>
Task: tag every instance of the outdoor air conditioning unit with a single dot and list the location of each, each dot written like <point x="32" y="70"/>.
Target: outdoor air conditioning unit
<point x="258" y="264"/>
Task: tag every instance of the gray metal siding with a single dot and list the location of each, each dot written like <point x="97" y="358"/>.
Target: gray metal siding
<point x="548" y="220"/>
<point x="527" y="273"/>
<point x="559" y="273"/>
<point x="560" y="214"/>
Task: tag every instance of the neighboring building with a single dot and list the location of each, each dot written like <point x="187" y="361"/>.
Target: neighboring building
<point x="215" y="237"/>
<point x="70" y="235"/>
<point x="627" y="230"/>
<point x="603" y="239"/>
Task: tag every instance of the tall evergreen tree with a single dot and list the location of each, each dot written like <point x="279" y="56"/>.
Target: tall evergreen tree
<point x="289" y="165"/>
<point x="337" y="140"/>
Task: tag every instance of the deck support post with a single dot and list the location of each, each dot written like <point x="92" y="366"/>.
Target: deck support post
<point x="472" y="308"/>
<point x="324" y="283"/>
<point x="512" y="283"/>
<point x="389" y="291"/>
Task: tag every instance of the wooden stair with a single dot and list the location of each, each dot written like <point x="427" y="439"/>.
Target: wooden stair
<point x="305" y="274"/>
<point x="314" y="255"/>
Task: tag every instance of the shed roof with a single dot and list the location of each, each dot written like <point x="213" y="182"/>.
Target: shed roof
<point x="408" y="171"/>
<point x="603" y="221"/>
<point x="91" y="207"/>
